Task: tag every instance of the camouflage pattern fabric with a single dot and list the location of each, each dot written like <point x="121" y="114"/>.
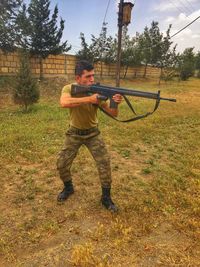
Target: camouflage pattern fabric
<point x="92" y="140"/>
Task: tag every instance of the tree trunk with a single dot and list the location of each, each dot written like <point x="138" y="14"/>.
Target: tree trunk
<point x="101" y="71"/>
<point x="161" y="71"/>
<point x="125" y="71"/>
<point x="135" y="73"/>
<point x="145" y="71"/>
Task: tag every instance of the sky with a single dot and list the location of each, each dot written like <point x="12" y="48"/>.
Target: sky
<point x="87" y="16"/>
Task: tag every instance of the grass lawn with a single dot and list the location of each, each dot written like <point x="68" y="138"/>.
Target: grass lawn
<point x="155" y="168"/>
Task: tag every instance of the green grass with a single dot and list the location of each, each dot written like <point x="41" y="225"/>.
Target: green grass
<point x="155" y="166"/>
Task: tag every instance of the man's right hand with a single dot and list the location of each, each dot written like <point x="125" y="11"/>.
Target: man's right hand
<point x="94" y="99"/>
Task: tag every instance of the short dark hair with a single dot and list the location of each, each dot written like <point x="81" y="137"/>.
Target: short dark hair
<point x="81" y="66"/>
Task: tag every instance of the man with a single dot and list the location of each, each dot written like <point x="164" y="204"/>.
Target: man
<point x="83" y="130"/>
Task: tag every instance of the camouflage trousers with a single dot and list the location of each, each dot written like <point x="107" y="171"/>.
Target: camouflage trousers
<point x="92" y="140"/>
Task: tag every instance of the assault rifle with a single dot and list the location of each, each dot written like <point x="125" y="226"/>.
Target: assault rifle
<point x="107" y="92"/>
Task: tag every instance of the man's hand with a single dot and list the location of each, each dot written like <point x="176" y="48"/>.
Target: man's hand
<point x="94" y="99"/>
<point x="117" y="98"/>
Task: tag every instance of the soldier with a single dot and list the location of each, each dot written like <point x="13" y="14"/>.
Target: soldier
<point x="83" y="130"/>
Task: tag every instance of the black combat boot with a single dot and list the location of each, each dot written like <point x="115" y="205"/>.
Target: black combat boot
<point x="66" y="192"/>
<point x="107" y="201"/>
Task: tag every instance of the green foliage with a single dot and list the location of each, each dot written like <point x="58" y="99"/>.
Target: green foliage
<point x="155" y="42"/>
<point x="23" y="29"/>
<point x="150" y="47"/>
<point x="156" y="48"/>
<point x="197" y="64"/>
<point x="39" y="33"/>
<point x="85" y="53"/>
<point x="145" y="45"/>
<point x="26" y="91"/>
<point x="101" y="49"/>
<point x="102" y="45"/>
<point x="45" y="36"/>
<point x="8" y="16"/>
<point x="130" y="55"/>
<point x="187" y="64"/>
<point x="197" y="61"/>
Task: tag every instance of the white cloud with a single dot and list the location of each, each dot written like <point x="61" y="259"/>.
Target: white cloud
<point x="163" y="7"/>
<point x="182" y="17"/>
<point x="169" y="19"/>
<point x="186" y="8"/>
<point x="190" y="36"/>
<point x="195" y="36"/>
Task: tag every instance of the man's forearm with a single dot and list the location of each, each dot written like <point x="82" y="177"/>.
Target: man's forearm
<point x="112" y="111"/>
<point x="71" y="102"/>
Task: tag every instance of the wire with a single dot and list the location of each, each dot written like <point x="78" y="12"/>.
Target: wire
<point x="185" y="27"/>
<point x="103" y="23"/>
<point x="178" y="8"/>
<point x="185" y="6"/>
<point x="190" y="5"/>
<point x="106" y="12"/>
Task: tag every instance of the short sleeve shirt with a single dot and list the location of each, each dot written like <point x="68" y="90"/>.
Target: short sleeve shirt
<point x="83" y="116"/>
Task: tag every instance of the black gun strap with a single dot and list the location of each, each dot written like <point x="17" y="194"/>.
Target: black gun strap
<point x="134" y="118"/>
<point x="129" y="104"/>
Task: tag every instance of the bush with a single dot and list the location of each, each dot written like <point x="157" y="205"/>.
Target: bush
<point x="185" y="74"/>
<point x="26" y="91"/>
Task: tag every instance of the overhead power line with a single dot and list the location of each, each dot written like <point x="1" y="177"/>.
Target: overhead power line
<point x="177" y="7"/>
<point x="104" y="20"/>
<point x="190" y="5"/>
<point x="185" y="27"/>
<point x="187" y="8"/>
<point x="106" y="11"/>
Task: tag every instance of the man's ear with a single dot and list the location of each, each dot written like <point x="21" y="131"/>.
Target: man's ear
<point x="77" y="78"/>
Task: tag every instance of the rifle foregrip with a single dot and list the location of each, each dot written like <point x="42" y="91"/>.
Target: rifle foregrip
<point x="113" y="104"/>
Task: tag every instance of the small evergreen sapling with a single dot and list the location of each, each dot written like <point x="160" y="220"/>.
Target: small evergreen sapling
<point x="26" y="91"/>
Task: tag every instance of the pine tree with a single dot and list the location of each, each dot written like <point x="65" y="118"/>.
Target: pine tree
<point x="23" y="29"/>
<point x="45" y="36"/>
<point x="26" y="91"/>
<point x="8" y="15"/>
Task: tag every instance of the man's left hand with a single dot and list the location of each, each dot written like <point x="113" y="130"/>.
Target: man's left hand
<point x="117" y="98"/>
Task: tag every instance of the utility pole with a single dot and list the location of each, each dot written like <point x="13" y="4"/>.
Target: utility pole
<point x="124" y="17"/>
<point x="120" y="25"/>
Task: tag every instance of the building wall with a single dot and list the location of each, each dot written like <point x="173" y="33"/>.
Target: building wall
<point x="63" y="65"/>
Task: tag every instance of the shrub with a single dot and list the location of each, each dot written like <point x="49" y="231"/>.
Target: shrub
<point x="26" y="91"/>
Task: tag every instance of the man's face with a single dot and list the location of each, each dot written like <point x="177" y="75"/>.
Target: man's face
<point x="87" y="78"/>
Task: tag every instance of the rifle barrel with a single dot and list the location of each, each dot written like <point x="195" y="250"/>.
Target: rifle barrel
<point x="168" y="99"/>
<point x="123" y="91"/>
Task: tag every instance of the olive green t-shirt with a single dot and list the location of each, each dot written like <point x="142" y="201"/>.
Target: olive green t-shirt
<point x="83" y="116"/>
